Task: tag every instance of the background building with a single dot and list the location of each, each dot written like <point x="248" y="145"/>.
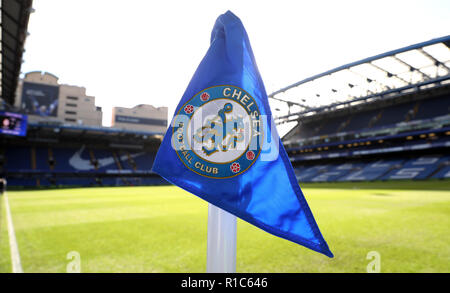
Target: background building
<point x="41" y="97"/>
<point x="140" y="117"/>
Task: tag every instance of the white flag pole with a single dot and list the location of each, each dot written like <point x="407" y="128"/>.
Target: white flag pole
<point x="221" y="251"/>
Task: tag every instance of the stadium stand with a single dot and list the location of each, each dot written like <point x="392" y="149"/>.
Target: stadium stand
<point x="372" y="171"/>
<point x="399" y="130"/>
<point x="420" y="168"/>
<point x="85" y="156"/>
<point x="443" y="173"/>
<point x="50" y="150"/>
<point x="378" y="118"/>
<point x="382" y="126"/>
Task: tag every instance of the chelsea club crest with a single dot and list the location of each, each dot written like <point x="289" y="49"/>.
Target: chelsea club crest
<point x="218" y="132"/>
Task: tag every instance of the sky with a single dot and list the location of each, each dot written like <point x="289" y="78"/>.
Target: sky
<point x="134" y="52"/>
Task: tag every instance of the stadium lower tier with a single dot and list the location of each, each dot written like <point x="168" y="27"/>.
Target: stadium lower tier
<point x="424" y="167"/>
<point x="58" y="159"/>
<point x="31" y="166"/>
<point x="54" y="166"/>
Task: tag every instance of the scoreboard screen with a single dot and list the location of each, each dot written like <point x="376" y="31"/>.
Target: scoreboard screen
<point x="13" y="123"/>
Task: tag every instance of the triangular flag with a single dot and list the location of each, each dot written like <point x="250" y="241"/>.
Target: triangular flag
<point x="222" y="147"/>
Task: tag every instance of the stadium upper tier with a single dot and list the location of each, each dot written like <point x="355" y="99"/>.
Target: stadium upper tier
<point x="377" y="119"/>
<point x="408" y="69"/>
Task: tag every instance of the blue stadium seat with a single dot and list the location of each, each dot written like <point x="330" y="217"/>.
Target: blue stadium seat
<point x="62" y="157"/>
<point x="390" y="115"/>
<point x="434" y="107"/>
<point x="109" y="181"/>
<point x="44" y="182"/>
<point x="76" y="161"/>
<point x="18" y="159"/>
<point x="418" y="168"/>
<point x="75" y="181"/>
<point x="153" y="181"/>
<point x="144" y="161"/>
<point x="42" y="159"/>
<point x="308" y="173"/>
<point x="25" y="182"/>
<point x="105" y="160"/>
<point x="372" y="171"/>
<point x="443" y="173"/>
<point x="334" y="173"/>
<point x="393" y="114"/>
<point x="331" y="125"/>
<point x="124" y="160"/>
<point x="360" y="121"/>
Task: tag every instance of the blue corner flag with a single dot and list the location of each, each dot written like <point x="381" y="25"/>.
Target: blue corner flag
<point x="223" y="147"/>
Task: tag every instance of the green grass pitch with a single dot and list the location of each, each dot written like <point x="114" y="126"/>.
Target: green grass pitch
<point x="163" y="229"/>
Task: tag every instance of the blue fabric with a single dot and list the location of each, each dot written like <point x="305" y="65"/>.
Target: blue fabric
<point x="267" y="194"/>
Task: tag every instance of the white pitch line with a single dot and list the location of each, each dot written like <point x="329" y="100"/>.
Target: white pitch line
<point x="15" y="256"/>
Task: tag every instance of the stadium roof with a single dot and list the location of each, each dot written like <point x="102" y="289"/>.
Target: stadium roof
<point x="425" y="64"/>
<point x="14" y="21"/>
